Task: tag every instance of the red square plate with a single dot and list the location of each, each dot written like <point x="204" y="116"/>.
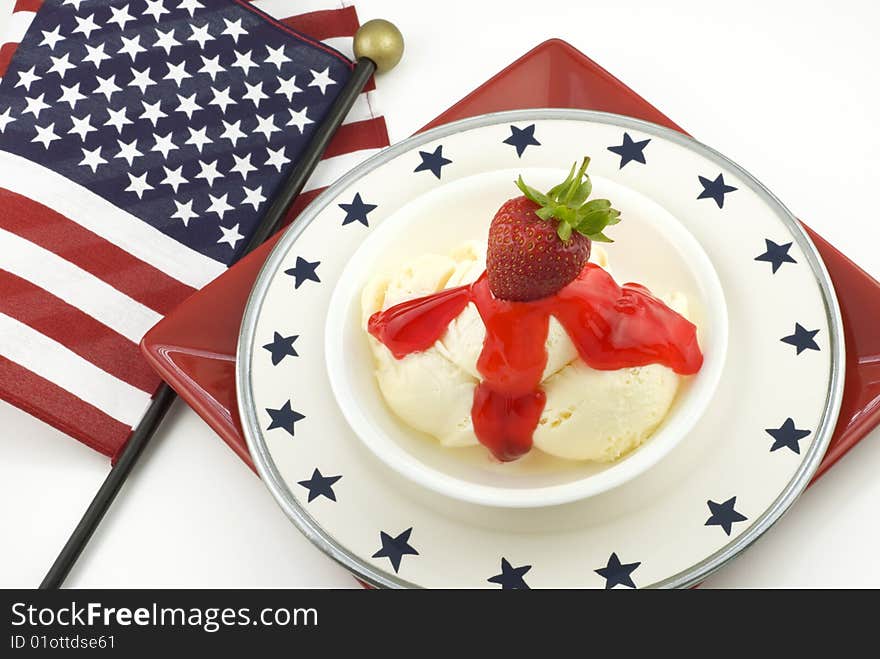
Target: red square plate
<point x="193" y="348"/>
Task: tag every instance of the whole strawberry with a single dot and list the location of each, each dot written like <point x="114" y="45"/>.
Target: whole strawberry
<point x="538" y="243"/>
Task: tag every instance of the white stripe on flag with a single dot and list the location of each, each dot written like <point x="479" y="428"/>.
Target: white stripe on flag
<point x="75" y="286"/>
<point x="18" y="24"/>
<point x="285" y="8"/>
<point x="365" y="107"/>
<point x="330" y="169"/>
<point x="57" y="364"/>
<point x="99" y="216"/>
<point x="344" y="45"/>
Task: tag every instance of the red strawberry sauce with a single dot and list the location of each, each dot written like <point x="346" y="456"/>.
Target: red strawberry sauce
<point x="612" y="326"/>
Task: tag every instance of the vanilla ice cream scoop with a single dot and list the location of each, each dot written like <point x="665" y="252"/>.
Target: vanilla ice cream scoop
<point x="589" y="414"/>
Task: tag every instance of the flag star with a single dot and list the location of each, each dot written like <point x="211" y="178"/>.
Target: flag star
<point x="200" y="34"/>
<point x="96" y="54"/>
<point x="117" y="118"/>
<point x="231" y="236"/>
<point x="132" y="46"/>
<point x="141" y="79"/>
<point x="276" y="56"/>
<point x="60" y="65"/>
<point x="232" y="132"/>
<point x="218" y="205"/>
<point x="211" y="66"/>
<point x="156" y="9"/>
<point x="51" y="38"/>
<point x="184" y="212"/>
<point x="165" y="40"/>
<point x="221" y="98"/>
<point x="187" y="104"/>
<point x="266" y="126"/>
<point x="255" y="93"/>
<point x="209" y="172"/>
<point x="73" y="3"/>
<point x="244" y="61"/>
<point x="107" y="86"/>
<point x="71" y="95"/>
<point x="234" y="29"/>
<point x="152" y="112"/>
<point x="322" y="80"/>
<point x="92" y="159"/>
<point x="128" y="150"/>
<point x="27" y="78"/>
<point x="287" y="86"/>
<point x="177" y="73"/>
<point x="5" y="120"/>
<point x="243" y="165"/>
<point x="198" y="138"/>
<point x="253" y="197"/>
<point x="174" y="178"/>
<point x="190" y="6"/>
<point x="82" y="127"/>
<point x="138" y="184"/>
<point x="164" y="145"/>
<point x="299" y="119"/>
<point x="35" y="106"/>
<point x="46" y="135"/>
<point x="276" y="158"/>
<point x="85" y="25"/>
<point x="120" y="16"/>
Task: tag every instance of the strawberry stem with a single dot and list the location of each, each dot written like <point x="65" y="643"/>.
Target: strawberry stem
<point x="567" y="205"/>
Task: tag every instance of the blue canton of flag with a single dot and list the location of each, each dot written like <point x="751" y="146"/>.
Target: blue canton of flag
<point x="183" y="113"/>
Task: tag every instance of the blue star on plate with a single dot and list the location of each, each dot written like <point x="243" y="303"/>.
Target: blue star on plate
<point x="395" y="549"/>
<point x="320" y="486"/>
<point x="284" y="417"/>
<point x="724" y="515"/>
<point x="776" y="254"/>
<point x="357" y="211"/>
<point x="433" y="162"/>
<point x="521" y="138"/>
<point x="715" y="189"/>
<point x="630" y="151"/>
<point x="303" y="271"/>
<point x="281" y="347"/>
<point x="787" y="435"/>
<point x="615" y="573"/>
<point x="511" y="578"/>
<point x="802" y="339"/>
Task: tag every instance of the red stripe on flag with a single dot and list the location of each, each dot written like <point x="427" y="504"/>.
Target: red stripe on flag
<point x="325" y="24"/>
<point x="54" y="232"/>
<point x="301" y="202"/>
<point x="368" y="134"/>
<point x="7" y="50"/>
<point x="61" y="409"/>
<point x="75" y="330"/>
<point x="27" y="5"/>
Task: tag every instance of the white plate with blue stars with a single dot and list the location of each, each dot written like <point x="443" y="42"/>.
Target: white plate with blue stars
<point x="746" y="461"/>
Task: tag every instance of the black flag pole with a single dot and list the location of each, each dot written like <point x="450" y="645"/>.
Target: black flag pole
<point x="378" y="47"/>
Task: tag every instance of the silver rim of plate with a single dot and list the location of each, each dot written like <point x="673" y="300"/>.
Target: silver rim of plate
<point x="686" y="578"/>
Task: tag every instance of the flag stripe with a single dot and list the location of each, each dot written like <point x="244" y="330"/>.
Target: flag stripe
<point x="60" y="408"/>
<point x="7" y="50"/>
<point x="27" y="5"/>
<point x="365" y="107"/>
<point x="369" y="134"/>
<point x="54" y="232"/>
<point x="108" y="221"/>
<point x="280" y="8"/>
<point x="344" y="45"/>
<point x="18" y="24"/>
<point x="78" y="332"/>
<point x="54" y="362"/>
<point x="325" y="24"/>
<point x="76" y="287"/>
<point x="330" y="169"/>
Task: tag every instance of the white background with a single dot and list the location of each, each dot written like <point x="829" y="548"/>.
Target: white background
<point x="787" y="89"/>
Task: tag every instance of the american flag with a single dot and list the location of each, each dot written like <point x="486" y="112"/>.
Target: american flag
<point x="141" y="142"/>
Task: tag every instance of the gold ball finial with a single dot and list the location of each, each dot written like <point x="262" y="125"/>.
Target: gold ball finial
<point x="380" y="41"/>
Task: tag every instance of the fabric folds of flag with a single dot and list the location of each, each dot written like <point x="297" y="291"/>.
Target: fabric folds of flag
<point x="140" y="143"/>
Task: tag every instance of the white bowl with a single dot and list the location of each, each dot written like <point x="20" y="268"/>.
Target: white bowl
<point x="651" y="247"/>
